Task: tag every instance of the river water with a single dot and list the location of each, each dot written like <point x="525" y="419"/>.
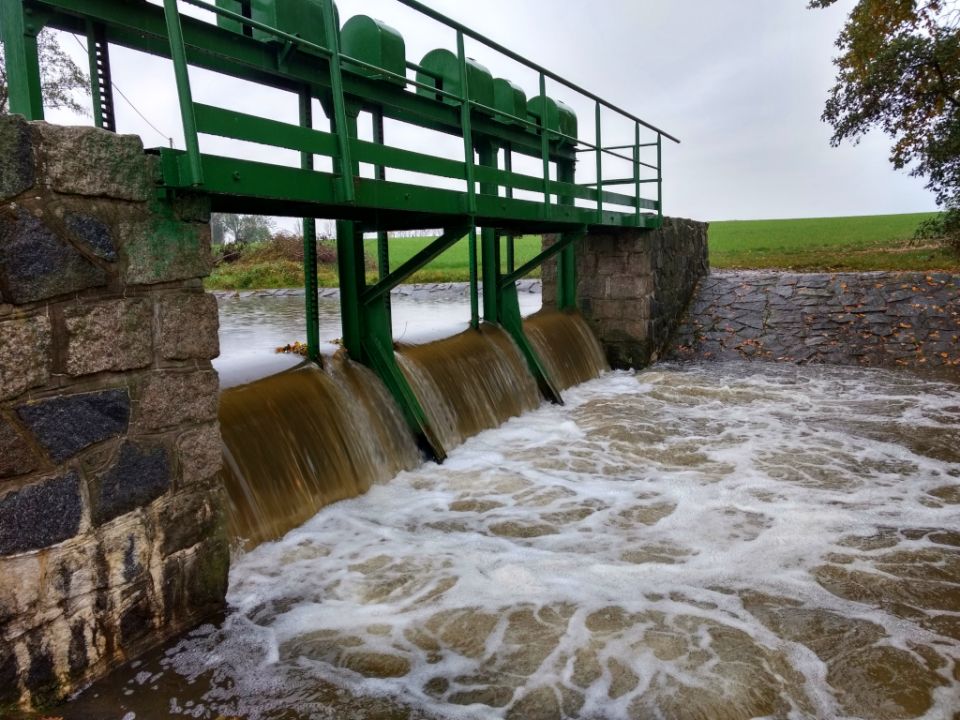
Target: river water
<point x="712" y="541"/>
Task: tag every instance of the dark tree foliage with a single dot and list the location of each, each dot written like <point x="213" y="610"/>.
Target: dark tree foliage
<point x="60" y="77"/>
<point x="899" y="70"/>
<point x="241" y="228"/>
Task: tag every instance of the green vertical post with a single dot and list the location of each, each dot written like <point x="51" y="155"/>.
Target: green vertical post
<point x="383" y="239"/>
<point x="660" y="178"/>
<point x="101" y="84"/>
<point x="490" y="243"/>
<point x="94" y="63"/>
<point x="310" y="243"/>
<point x="351" y="263"/>
<point x="508" y="166"/>
<point x="466" y="126"/>
<point x="19" y="35"/>
<point x="179" y="55"/>
<point x="636" y="168"/>
<point x="474" y="293"/>
<point x="339" y="103"/>
<point x="599" y="141"/>
<point x="567" y="259"/>
<point x="544" y="141"/>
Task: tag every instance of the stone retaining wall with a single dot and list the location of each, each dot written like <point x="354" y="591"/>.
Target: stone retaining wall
<point x="111" y="523"/>
<point x="633" y="286"/>
<point x="871" y="319"/>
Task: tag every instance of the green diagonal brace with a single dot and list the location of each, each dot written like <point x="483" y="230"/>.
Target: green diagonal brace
<point x="379" y="356"/>
<point x="512" y="322"/>
<point x="448" y="238"/>
<point x="376" y="338"/>
<point x="564" y="241"/>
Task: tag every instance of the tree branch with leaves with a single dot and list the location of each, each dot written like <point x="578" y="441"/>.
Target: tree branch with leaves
<point x="899" y="71"/>
<point x="61" y="79"/>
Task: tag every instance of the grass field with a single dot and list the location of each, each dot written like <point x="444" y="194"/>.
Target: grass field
<point x="878" y="242"/>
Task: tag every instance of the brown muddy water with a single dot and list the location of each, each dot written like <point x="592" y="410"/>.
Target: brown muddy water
<point x="708" y="542"/>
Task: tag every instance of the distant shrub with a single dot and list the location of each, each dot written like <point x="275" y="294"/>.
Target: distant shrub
<point x="944" y="228"/>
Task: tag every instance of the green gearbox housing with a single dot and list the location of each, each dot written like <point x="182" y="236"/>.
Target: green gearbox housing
<point x="510" y="99"/>
<point x="443" y="72"/>
<point x="553" y="115"/>
<point x="303" y="18"/>
<point x="376" y="43"/>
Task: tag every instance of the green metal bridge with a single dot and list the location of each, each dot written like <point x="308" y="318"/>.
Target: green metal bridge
<point x="298" y="46"/>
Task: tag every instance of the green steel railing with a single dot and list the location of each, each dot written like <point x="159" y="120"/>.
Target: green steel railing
<point x="346" y="86"/>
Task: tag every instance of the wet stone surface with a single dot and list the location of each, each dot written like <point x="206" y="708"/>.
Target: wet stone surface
<point x="66" y="425"/>
<point x="868" y="319"/>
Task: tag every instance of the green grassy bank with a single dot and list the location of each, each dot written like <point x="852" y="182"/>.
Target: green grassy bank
<point x="875" y="242"/>
<point x="856" y="244"/>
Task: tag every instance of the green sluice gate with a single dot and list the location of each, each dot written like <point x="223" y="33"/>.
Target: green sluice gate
<point x="299" y="46"/>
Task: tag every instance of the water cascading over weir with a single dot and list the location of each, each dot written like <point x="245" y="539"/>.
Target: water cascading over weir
<point x="114" y="527"/>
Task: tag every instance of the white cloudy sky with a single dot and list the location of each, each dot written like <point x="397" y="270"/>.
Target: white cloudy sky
<point x="740" y="82"/>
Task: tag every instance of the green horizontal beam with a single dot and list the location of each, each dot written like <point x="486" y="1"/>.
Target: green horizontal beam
<point x="401" y="159"/>
<point x="294" y="191"/>
<point x="250" y="128"/>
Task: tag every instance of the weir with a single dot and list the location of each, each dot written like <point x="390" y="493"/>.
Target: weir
<point x="109" y="405"/>
<point x="363" y="71"/>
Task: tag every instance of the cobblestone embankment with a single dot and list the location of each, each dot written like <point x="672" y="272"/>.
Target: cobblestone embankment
<point x="872" y="319"/>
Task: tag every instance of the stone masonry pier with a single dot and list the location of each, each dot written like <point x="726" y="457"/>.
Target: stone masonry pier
<point x="111" y="522"/>
<point x="871" y="319"/>
<point x="633" y="287"/>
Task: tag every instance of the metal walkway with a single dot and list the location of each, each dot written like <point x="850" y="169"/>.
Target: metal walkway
<point x="299" y="46"/>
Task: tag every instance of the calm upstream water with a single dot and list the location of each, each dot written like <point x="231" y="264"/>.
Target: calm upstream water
<point x="708" y="542"/>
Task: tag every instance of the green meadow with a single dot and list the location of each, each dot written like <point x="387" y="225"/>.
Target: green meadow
<point x="877" y="242"/>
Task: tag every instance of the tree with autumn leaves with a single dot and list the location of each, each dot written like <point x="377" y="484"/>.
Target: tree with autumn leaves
<point x="899" y="71"/>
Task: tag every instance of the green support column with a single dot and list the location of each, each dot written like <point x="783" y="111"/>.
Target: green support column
<point x="365" y="313"/>
<point x="350" y="256"/>
<point x="490" y="244"/>
<point x="383" y="246"/>
<point x="567" y="259"/>
<point x="350" y="264"/>
<point x="310" y="243"/>
<point x="18" y="32"/>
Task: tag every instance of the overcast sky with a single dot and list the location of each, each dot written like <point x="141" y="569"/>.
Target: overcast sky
<point x="741" y="82"/>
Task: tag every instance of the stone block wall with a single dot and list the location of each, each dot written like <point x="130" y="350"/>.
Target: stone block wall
<point x="112" y="534"/>
<point x="633" y="287"/>
<point x="878" y="319"/>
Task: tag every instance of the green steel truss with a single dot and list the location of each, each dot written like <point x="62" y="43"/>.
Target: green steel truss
<point x="347" y="87"/>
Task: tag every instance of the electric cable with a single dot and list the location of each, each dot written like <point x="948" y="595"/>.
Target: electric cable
<point x="128" y="100"/>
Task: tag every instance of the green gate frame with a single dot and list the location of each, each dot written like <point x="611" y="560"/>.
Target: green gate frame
<point x="346" y="87"/>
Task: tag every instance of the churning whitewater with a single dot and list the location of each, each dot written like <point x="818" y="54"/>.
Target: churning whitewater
<point x="710" y="542"/>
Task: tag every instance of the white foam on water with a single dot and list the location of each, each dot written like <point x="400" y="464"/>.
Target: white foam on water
<point x="687" y="537"/>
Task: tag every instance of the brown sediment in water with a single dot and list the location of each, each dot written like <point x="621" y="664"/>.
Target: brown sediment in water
<point x="470" y="382"/>
<point x="566" y="346"/>
<point x="298" y="441"/>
